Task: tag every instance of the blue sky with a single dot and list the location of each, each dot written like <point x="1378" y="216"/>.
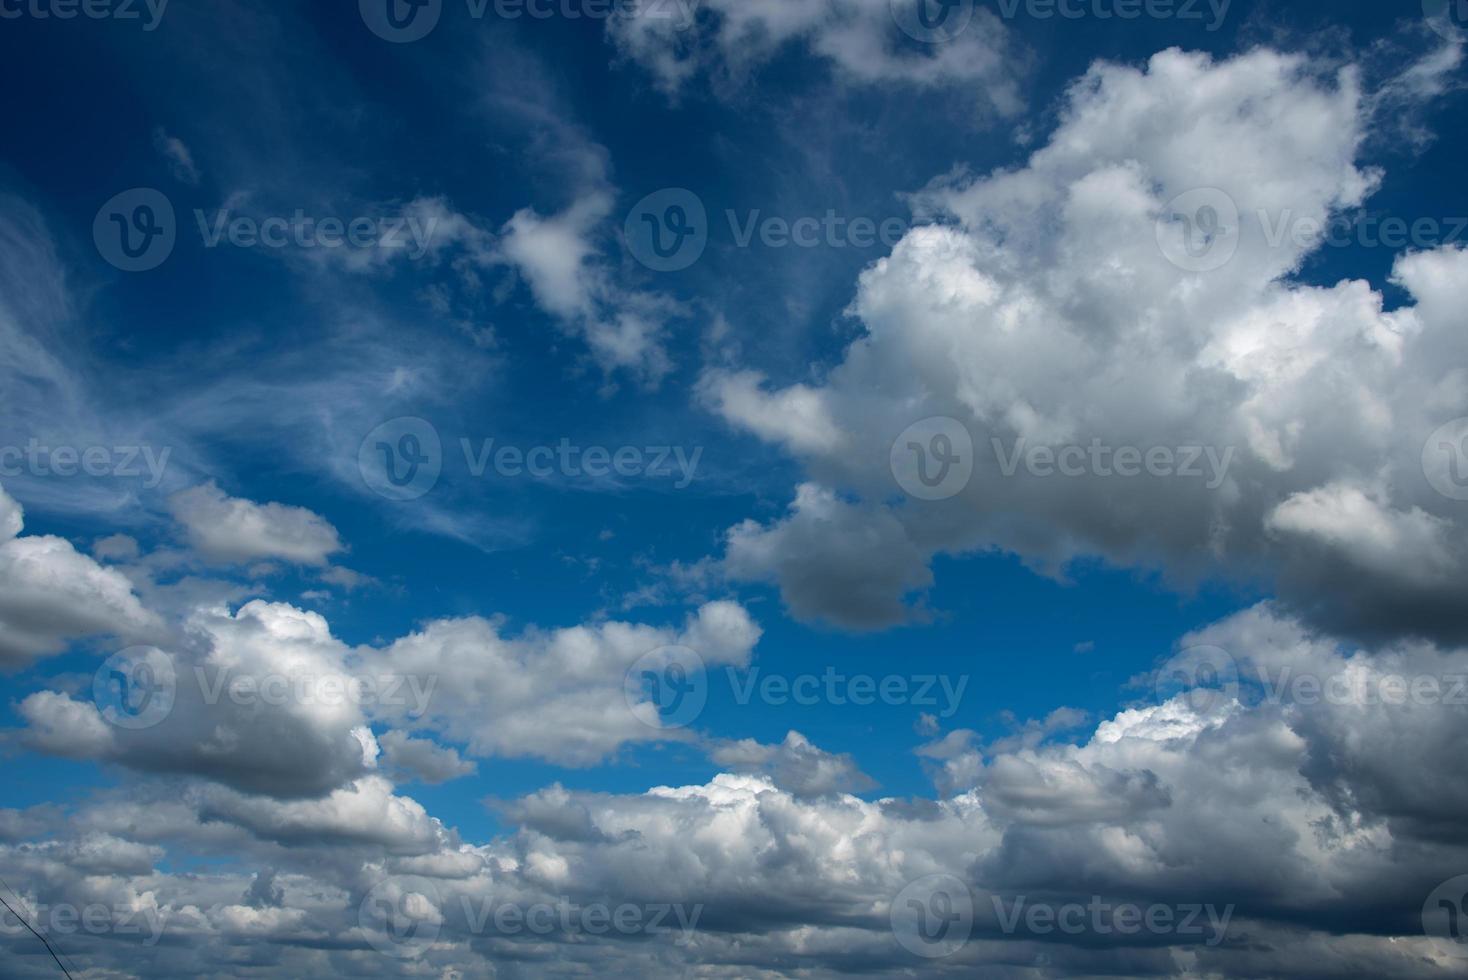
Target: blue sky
<point x="1090" y="230"/>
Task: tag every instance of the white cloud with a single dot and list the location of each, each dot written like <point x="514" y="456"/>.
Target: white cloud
<point x="794" y="765"/>
<point x="229" y="529"/>
<point x="1044" y="313"/>
<point x="51" y="594"/>
<point x="859" y="38"/>
<point x="552" y="694"/>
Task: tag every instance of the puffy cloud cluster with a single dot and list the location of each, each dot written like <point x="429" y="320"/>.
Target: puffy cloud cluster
<point x="1285" y="810"/>
<point x="51" y="594"/>
<point x="1055" y="309"/>
<point x="560" y="695"/>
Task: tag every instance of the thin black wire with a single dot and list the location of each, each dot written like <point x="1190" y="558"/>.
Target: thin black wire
<point x="66" y="963"/>
<point x="44" y="941"/>
<point x="66" y="960"/>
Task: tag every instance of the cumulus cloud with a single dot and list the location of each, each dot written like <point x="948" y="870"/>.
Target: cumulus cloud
<point x="794" y="765"/>
<point x="1288" y="812"/>
<point x="265" y="705"/>
<point x="51" y="594"/>
<point x="422" y="758"/>
<point x="849" y="563"/>
<point x="560" y="695"/>
<point x="229" y="529"/>
<point x="1052" y="314"/>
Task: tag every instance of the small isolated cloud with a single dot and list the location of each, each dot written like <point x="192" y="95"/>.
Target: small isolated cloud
<point x="180" y="158"/>
<point x="228" y="529"/>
